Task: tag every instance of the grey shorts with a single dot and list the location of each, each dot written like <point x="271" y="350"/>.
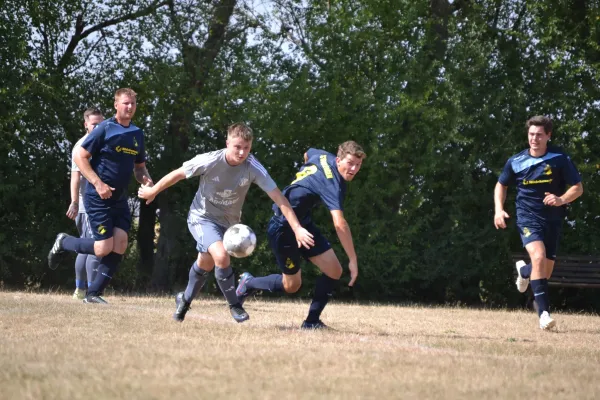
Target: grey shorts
<point x="206" y="232"/>
<point x="83" y="226"/>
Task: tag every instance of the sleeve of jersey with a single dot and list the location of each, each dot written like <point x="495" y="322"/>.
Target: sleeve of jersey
<point x="74" y="166"/>
<point x="332" y="196"/>
<point x="314" y="152"/>
<point x="570" y="172"/>
<point x="141" y="155"/>
<point x="94" y="141"/>
<point x="261" y="176"/>
<point x="197" y="165"/>
<point x="507" y="176"/>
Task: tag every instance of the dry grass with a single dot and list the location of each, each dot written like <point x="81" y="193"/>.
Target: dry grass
<point x="52" y="347"/>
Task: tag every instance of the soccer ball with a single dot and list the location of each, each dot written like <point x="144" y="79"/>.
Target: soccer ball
<point x="239" y="240"/>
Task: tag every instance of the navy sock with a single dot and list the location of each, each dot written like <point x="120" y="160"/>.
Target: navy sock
<point x="80" y="271"/>
<point x="272" y="283"/>
<point x="196" y="281"/>
<point x="226" y="282"/>
<point x="526" y="271"/>
<point x="78" y="245"/>
<point x="540" y="292"/>
<point x="323" y="291"/>
<point x="106" y="270"/>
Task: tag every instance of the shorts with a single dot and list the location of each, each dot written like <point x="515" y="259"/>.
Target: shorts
<point x="84" y="228"/>
<point x="547" y="232"/>
<point x="107" y="214"/>
<point x="285" y="248"/>
<point x="206" y="232"/>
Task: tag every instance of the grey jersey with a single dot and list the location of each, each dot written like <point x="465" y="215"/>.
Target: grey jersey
<point x="82" y="181"/>
<point x="223" y="187"/>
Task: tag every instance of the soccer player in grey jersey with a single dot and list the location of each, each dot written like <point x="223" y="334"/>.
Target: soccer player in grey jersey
<point x="225" y="177"/>
<point x="85" y="264"/>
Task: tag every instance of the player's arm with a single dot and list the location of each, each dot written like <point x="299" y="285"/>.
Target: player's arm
<point x="499" y="198"/>
<point x="74" y="206"/>
<point x="569" y="196"/>
<point x="148" y="193"/>
<point x="305" y="158"/>
<point x="141" y="174"/>
<point x="303" y="237"/>
<point x="343" y="231"/>
<point x="82" y="159"/>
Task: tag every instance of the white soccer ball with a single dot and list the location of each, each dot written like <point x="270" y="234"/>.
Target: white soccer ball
<point x="239" y="240"/>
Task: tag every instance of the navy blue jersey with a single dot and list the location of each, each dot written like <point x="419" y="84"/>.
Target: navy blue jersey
<point x="535" y="176"/>
<point x="317" y="181"/>
<point x="115" y="149"/>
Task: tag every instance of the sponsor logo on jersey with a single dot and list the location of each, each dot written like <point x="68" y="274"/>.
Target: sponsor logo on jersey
<point x="226" y="193"/>
<point x="126" y="150"/>
<point x="536" y="181"/>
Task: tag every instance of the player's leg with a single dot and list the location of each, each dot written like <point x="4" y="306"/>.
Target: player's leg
<point x="80" y="273"/>
<point x="226" y="280"/>
<point x="91" y="261"/>
<point x="197" y="278"/>
<point x="331" y="268"/>
<point x="539" y="282"/>
<point x="283" y="244"/>
<point x="111" y="241"/>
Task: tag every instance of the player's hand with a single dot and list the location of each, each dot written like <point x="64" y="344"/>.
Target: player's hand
<point x="146" y="193"/>
<point x="147" y="181"/>
<point x="304" y="238"/>
<point x="104" y="190"/>
<point x="73" y="210"/>
<point x="499" y="219"/>
<point x="553" y="200"/>
<point x="353" y="267"/>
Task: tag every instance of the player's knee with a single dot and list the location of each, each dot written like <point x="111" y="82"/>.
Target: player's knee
<point x="221" y="259"/>
<point x="538" y="257"/>
<point x="102" y="249"/>
<point x="292" y="286"/>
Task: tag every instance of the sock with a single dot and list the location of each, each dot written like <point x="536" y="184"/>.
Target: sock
<point x="78" y="245"/>
<point x="540" y="292"/>
<point x="197" y="280"/>
<point x="226" y="282"/>
<point x="526" y="271"/>
<point x="106" y="270"/>
<point x="323" y="291"/>
<point x="272" y="283"/>
<point x="91" y="268"/>
<point x="80" y="271"/>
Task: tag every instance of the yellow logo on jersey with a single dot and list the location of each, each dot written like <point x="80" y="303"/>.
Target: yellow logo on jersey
<point x="102" y="229"/>
<point x="325" y="166"/>
<point x="547" y="170"/>
<point x="135" y="143"/>
<point x="289" y="264"/>
<point x="536" y="181"/>
<point x="126" y="150"/>
<point x="526" y="232"/>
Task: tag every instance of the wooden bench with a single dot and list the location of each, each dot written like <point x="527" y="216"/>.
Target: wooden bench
<point x="571" y="271"/>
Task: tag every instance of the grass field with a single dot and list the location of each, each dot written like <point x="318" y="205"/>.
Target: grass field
<point x="52" y="347"/>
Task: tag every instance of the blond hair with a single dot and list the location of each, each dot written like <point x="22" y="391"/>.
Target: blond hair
<point x="239" y="130"/>
<point x="91" y="111"/>
<point x="352" y="148"/>
<point x="125" y="91"/>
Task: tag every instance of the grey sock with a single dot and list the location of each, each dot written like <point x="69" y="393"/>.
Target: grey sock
<point x="80" y="281"/>
<point x="91" y="267"/>
<point x="197" y="280"/>
<point x="226" y="282"/>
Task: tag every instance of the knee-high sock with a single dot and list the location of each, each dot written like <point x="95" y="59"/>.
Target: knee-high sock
<point x="196" y="281"/>
<point x="323" y="291"/>
<point x="540" y="292"/>
<point x="80" y="274"/>
<point x="91" y="268"/>
<point x="226" y="282"/>
<point x="78" y="245"/>
<point x="272" y="283"/>
<point x="106" y="270"/>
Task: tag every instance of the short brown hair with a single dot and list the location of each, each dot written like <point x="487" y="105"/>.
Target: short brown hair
<point x="91" y="111"/>
<point x="125" y="91"/>
<point x="351" y="147"/>
<point x="540" y="120"/>
<point x="240" y="130"/>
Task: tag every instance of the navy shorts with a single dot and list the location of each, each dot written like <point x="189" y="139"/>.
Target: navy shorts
<point x="547" y="232"/>
<point x="106" y="215"/>
<point x="283" y="243"/>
